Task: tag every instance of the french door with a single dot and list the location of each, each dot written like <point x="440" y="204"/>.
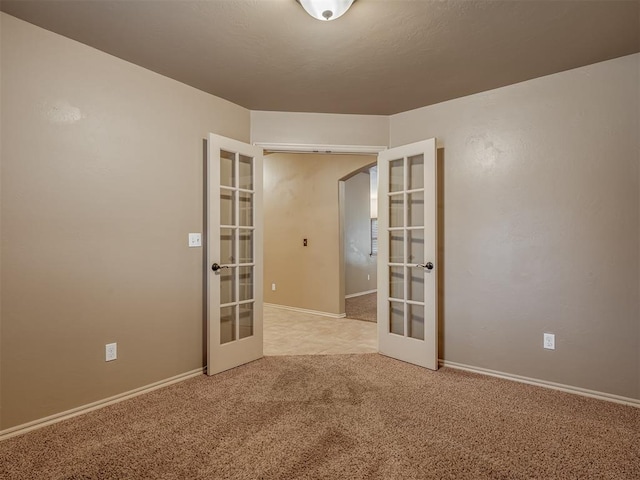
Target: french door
<point x="234" y="254"/>
<point x="407" y="253"/>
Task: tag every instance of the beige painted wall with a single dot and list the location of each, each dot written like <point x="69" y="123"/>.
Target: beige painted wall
<point x="301" y="201"/>
<point x="541" y="219"/>
<point x="358" y="261"/>
<point x="101" y="183"/>
<point x="319" y="128"/>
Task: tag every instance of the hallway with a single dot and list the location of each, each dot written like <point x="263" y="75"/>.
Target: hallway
<point x="294" y="333"/>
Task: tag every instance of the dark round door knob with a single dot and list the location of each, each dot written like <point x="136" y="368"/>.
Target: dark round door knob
<point x="429" y="266"/>
<point x="215" y="267"/>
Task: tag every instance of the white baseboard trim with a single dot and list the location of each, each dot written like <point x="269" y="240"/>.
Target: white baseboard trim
<point x="543" y="383"/>
<point x="359" y="294"/>
<point x="74" y="412"/>
<point x="304" y="310"/>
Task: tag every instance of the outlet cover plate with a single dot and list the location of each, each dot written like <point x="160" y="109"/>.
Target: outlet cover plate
<point x="549" y="341"/>
<point x="111" y="352"/>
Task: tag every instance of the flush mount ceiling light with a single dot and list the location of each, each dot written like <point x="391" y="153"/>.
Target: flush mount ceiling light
<point x="326" y="10"/>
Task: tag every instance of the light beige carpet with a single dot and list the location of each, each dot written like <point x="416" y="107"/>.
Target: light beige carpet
<point x="363" y="307"/>
<point x="337" y="417"/>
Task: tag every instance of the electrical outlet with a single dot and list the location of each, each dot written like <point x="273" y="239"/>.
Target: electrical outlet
<point x="549" y="341"/>
<point x="368" y="277"/>
<point x="111" y="351"/>
<point x="273" y="287"/>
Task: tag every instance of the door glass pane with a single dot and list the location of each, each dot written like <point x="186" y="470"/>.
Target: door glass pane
<point x="246" y="283"/>
<point x="227" y="285"/>
<point x="227" y="207"/>
<point x="416" y="284"/>
<point x="396" y="175"/>
<point x="396" y="318"/>
<point x="416" y="246"/>
<point x="396" y="246"/>
<point x="396" y="210"/>
<point x="396" y="282"/>
<point x="227" y="324"/>
<point x="246" y="246"/>
<point x="246" y="172"/>
<point x="416" y="209"/>
<point x="416" y="321"/>
<point x="246" y="320"/>
<point x="227" y="246"/>
<point x="416" y="172"/>
<point x="227" y="170"/>
<point x="246" y="208"/>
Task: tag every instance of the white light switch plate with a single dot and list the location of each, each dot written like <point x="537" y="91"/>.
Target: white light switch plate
<point x="195" y="240"/>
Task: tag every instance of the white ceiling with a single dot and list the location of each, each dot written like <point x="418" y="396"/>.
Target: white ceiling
<point x="382" y="57"/>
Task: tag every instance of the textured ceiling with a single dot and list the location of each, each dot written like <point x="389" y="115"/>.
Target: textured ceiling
<point x="381" y="57"/>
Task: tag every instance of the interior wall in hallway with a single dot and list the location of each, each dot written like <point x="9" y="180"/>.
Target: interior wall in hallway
<point x="301" y="202"/>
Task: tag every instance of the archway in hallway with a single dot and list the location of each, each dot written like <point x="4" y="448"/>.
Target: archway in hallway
<point x="359" y="242"/>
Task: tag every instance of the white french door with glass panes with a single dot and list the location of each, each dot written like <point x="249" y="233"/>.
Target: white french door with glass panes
<point x="407" y="248"/>
<point x="234" y="254"/>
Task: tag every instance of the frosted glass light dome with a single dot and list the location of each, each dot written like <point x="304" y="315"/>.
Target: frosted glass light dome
<point x="326" y="10"/>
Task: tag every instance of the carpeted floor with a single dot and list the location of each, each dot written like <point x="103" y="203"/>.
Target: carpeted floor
<point x="363" y="307"/>
<point x="337" y="417"/>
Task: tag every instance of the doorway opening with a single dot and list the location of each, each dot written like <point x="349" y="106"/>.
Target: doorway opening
<point x="304" y="269"/>
<point x="359" y="231"/>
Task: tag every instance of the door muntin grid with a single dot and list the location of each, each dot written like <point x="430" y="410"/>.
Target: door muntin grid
<point x="237" y="247"/>
<point x="406" y="247"/>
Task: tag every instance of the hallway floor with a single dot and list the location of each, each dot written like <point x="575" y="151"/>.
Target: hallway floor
<point x="294" y="333"/>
